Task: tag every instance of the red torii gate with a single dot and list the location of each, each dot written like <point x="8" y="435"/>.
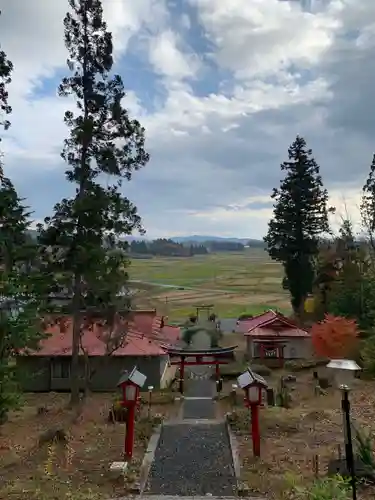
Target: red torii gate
<point x="205" y="357"/>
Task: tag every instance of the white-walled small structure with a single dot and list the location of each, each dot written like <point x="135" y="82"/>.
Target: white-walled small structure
<point x="344" y="371"/>
<point x="273" y="338"/>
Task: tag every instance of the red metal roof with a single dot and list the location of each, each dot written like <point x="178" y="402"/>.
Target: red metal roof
<point x="264" y="325"/>
<point x="247" y="325"/>
<point x="142" y="337"/>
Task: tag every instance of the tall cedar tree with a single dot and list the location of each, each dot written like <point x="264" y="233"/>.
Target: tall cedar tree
<point x="104" y="143"/>
<point x="19" y="291"/>
<point x="299" y="218"/>
<point x="368" y="205"/>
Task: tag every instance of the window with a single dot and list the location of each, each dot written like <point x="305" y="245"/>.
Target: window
<point x="293" y="352"/>
<point x="270" y="352"/>
<point x="61" y="368"/>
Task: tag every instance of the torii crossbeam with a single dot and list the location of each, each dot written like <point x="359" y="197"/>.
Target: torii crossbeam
<point x="204" y="357"/>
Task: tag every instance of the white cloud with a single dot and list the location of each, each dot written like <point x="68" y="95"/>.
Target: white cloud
<point x="256" y="38"/>
<point x="221" y="116"/>
<point x="168" y="60"/>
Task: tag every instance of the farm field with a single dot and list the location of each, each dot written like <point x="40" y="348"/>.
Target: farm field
<point x="235" y="283"/>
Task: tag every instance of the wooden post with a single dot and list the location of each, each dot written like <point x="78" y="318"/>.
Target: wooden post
<point x="182" y="374"/>
<point x="217" y="370"/>
<point x="270" y="397"/>
<point x="349" y="455"/>
<point x="280" y="350"/>
<point x="261" y="348"/>
<point x="255" y="433"/>
<point x="316" y="465"/>
<point x="129" y="436"/>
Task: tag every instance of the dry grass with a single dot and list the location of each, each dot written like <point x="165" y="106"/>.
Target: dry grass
<point x="76" y="470"/>
<point x="291" y="438"/>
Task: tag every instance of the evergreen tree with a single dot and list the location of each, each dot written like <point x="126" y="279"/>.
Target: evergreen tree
<point x="20" y="297"/>
<point x="299" y="219"/>
<point x="103" y="142"/>
<point x="6" y="68"/>
<point x="19" y="288"/>
<point x="368" y="205"/>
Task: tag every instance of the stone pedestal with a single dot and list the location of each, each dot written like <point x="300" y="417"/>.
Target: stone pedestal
<point x="118" y="469"/>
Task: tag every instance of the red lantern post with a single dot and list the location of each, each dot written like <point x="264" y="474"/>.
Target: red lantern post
<point x="253" y="384"/>
<point x="130" y="383"/>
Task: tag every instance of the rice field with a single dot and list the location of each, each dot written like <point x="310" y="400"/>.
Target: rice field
<point x="234" y="283"/>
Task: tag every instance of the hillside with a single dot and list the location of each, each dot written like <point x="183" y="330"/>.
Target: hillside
<point x="193" y="239"/>
<point x="204" y="239"/>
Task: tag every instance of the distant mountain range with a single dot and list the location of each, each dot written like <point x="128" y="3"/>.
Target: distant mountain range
<point x="193" y="239"/>
<point x="197" y="238"/>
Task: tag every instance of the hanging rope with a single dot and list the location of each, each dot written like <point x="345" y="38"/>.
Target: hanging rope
<point x="201" y="375"/>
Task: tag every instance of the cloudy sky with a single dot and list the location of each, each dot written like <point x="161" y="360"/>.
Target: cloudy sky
<point x="222" y="88"/>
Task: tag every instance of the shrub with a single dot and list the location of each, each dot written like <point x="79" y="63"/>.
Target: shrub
<point x="335" y="336"/>
<point x="328" y="488"/>
<point x="283" y="397"/>
<point x="365" y="447"/>
<point x="239" y="420"/>
<point x="367" y="355"/>
<point x="296" y="366"/>
<point x="261" y="370"/>
<point x="234" y="370"/>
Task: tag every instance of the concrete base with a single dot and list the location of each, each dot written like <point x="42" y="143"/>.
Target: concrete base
<point x="118" y="469"/>
<point x="148" y="459"/>
<point x="242" y="489"/>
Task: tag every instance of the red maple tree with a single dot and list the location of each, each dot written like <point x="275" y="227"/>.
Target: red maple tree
<point x="335" y="336"/>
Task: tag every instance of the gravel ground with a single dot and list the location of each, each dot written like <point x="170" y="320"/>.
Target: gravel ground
<point x="202" y="387"/>
<point x="199" y="408"/>
<point x="199" y="389"/>
<point x="193" y="460"/>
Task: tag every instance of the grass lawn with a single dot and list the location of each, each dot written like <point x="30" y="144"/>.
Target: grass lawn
<point x="79" y="468"/>
<point x="235" y="283"/>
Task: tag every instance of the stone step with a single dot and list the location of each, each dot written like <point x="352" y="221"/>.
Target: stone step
<point x="194" y="421"/>
<point x="171" y="497"/>
<point x="206" y="497"/>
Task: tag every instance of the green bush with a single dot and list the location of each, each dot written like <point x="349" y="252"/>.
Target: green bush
<point x="233" y="370"/>
<point x="300" y="365"/>
<point x="367" y="355"/>
<point x="327" y="488"/>
<point x="283" y="396"/>
<point x="365" y="447"/>
<point x="261" y="370"/>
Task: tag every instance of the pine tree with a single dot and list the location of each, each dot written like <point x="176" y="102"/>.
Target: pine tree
<point x="299" y="219"/>
<point x="21" y="305"/>
<point x="19" y="287"/>
<point x="104" y="143"/>
<point x="6" y="68"/>
<point x="368" y="205"/>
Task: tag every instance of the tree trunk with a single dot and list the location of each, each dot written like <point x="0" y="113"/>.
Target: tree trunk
<point x="75" y="368"/>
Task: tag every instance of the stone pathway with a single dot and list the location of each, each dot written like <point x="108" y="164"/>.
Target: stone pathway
<point x="194" y="458"/>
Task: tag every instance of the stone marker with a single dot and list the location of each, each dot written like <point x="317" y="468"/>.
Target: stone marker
<point x="270" y="397"/>
<point x="118" y="469"/>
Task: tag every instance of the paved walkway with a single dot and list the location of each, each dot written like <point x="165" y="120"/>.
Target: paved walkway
<point x="194" y="458"/>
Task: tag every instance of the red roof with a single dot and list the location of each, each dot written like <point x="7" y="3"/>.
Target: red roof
<point x="142" y="337"/>
<point x="271" y="324"/>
